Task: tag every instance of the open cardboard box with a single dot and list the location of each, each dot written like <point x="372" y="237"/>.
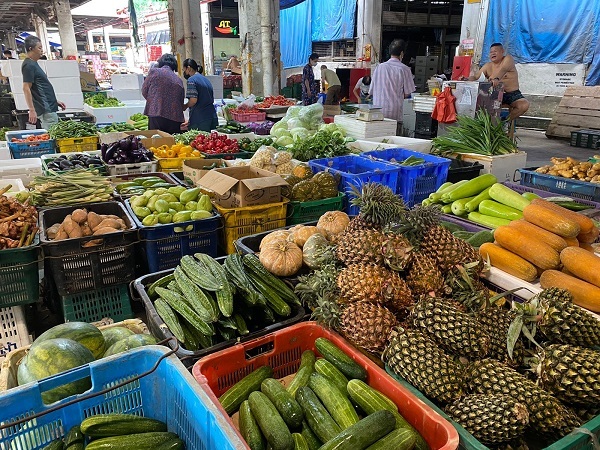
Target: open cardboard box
<point x="235" y="187"/>
<point x="194" y="169"/>
<point x="149" y="141"/>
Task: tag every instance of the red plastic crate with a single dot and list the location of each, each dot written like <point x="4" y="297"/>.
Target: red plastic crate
<point x="282" y="351"/>
<point x="248" y="117"/>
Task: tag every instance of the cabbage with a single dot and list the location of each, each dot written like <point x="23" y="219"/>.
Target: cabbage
<point x="296" y="123"/>
<point x="293" y="111"/>
<point x="284" y="140"/>
<point x="312" y="113"/>
<point x="279" y="126"/>
<point x="300" y="133"/>
<point x="280" y="132"/>
<point x="332" y="127"/>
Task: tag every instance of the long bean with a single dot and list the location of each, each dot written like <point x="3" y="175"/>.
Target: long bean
<point x="75" y="186"/>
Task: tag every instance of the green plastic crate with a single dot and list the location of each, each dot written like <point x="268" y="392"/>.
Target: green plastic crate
<point x="19" y="276"/>
<point x="91" y="306"/>
<point x="302" y="212"/>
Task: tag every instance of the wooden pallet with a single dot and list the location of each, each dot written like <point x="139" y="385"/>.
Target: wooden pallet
<point x="578" y="109"/>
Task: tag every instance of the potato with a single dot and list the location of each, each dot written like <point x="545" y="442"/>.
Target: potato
<point x="51" y="232"/>
<point x="72" y="228"/>
<point x="104" y="230"/>
<point x="61" y="233"/>
<point x="111" y="223"/>
<point x="79" y="215"/>
<point x="86" y="230"/>
<point x="93" y="220"/>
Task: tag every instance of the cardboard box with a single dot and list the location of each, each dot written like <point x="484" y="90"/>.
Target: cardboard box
<point x="332" y="110"/>
<point x="149" y="141"/>
<point x="194" y="169"/>
<point x="109" y="138"/>
<point x="88" y="82"/>
<point x="235" y="187"/>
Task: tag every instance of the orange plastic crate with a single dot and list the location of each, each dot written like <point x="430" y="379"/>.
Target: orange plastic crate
<point x="282" y="351"/>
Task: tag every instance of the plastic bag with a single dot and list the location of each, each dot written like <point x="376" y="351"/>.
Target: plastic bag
<point x="444" y="110"/>
<point x="249" y="102"/>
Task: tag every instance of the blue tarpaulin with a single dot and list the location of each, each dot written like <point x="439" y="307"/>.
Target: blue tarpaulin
<point x="546" y="31"/>
<point x="332" y="20"/>
<point x="295" y="34"/>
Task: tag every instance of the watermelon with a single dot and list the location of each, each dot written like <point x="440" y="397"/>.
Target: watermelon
<point x="137" y="340"/>
<point x="86" y="334"/>
<point x="54" y="356"/>
<point x="114" y="334"/>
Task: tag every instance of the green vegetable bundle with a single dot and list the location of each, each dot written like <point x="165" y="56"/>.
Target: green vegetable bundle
<point x="69" y="188"/>
<point x="119" y="126"/>
<point x="140" y="121"/>
<point x="479" y="135"/>
<point x="72" y="129"/>
<point x="324" y="144"/>
<point x="100" y="101"/>
<point x="188" y="137"/>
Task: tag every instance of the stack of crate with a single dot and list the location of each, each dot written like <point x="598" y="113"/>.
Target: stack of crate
<point x="425" y="68"/>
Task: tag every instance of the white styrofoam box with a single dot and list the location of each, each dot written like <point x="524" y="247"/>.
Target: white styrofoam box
<point x="367" y="146"/>
<point x="127" y="81"/>
<point x="25" y="169"/>
<point x="134" y="106"/>
<point x="71" y="101"/>
<point x="423" y="102"/>
<point x="16" y="84"/>
<point x="126" y="94"/>
<point x="217" y="83"/>
<point x="361" y="130"/>
<point x="66" y="85"/>
<point x="62" y="68"/>
<point x="502" y="166"/>
<point x="16" y="185"/>
<point x="4" y="151"/>
<point x="11" y="68"/>
<point x="20" y="103"/>
<point x="416" y="145"/>
<point x="13" y="330"/>
<point x="107" y="115"/>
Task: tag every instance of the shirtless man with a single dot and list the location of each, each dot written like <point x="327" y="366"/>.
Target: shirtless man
<point x="501" y="68"/>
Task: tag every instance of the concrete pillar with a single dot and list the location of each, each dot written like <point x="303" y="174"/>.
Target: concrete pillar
<point x="42" y="32"/>
<point x="90" y="41"/>
<point x="65" y="28"/>
<point x="207" y="47"/>
<point x="368" y="28"/>
<point x="197" y="32"/>
<point x="251" y="55"/>
<point x="176" y="26"/>
<point x="12" y="41"/>
<point x="106" y="33"/>
<point x="474" y="23"/>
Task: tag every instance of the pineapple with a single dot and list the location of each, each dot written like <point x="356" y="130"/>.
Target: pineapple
<point x="424" y="276"/>
<point x="547" y="415"/>
<point x="496" y="323"/>
<point x="372" y="246"/>
<point x="572" y="374"/>
<point x="454" y="331"/>
<point x="586" y="413"/>
<point x="375" y="284"/>
<point x="367" y="325"/>
<point x="378" y="205"/>
<point x="492" y="419"/>
<point x="416" y="358"/>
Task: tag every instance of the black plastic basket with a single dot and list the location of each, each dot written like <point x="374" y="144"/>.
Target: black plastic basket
<point x="178" y="176"/>
<point x="251" y="244"/>
<point x="91" y="262"/>
<point x="461" y="170"/>
<point x="167" y="178"/>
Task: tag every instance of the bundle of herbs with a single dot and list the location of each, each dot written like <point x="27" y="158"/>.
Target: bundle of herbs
<point x="481" y="135"/>
<point x="324" y="143"/>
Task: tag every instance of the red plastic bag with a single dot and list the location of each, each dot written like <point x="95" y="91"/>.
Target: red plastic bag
<point x="444" y="110"/>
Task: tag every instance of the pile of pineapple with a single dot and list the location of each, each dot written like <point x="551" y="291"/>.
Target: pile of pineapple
<point x="403" y="286"/>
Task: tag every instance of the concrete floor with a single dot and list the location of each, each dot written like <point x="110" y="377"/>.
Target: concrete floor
<point x="540" y="149"/>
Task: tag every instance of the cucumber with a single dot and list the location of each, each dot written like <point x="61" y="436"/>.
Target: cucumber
<point x="252" y="262"/>
<point x="446" y="209"/>
<point x="436" y="197"/>
<point x="334" y="400"/>
<point x="495" y="209"/>
<point x="104" y="425"/>
<point x="273" y="299"/>
<point x="399" y="439"/>
<point x="470" y="188"/>
<point x="175" y="444"/>
<point x="139" y="441"/>
<point x="307" y="366"/>
<point x="339" y="359"/>
<point x="270" y="422"/>
<point x="530" y="195"/>
<point x="56" y="444"/>
<point x="480" y="238"/>
<point x="487" y="221"/>
<point x="473" y="204"/>
<point x="299" y="442"/>
<point x="74" y="436"/>
<point x="240" y="391"/>
<point x="363" y="433"/>
<point x="573" y="206"/>
<point x="309" y="436"/>
<point x="332" y="373"/>
<point x="317" y="417"/>
<point x="458" y="207"/>
<point x="508" y="197"/>
<point x="288" y="407"/>
<point x="249" y="428"/>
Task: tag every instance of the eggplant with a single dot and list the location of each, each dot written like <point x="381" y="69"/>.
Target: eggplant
<point x="134" y="144"/>
<point x="119" y="160"/>
<point x="93" y="162"/>
<point x="103" y="149"/>
<point x="111" y="151"/>
<point x="125" y="144"/>
<point x="65" y="164"/>
<point x="111" y="161"/>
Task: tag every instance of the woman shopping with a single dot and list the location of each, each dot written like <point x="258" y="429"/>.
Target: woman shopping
<point x="203" y="116"/>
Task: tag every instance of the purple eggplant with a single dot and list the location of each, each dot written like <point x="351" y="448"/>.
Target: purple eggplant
<point x="103" y="149"/>
<point x="125" y="144"/>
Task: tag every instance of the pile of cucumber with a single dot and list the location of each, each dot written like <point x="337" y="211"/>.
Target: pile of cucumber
<point x="204" y="302"/>
<point x="118" y="432"/>
<point x="327" y="405"/>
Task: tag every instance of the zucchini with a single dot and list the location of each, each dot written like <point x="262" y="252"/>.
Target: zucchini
<point x="288" y="407"/>
<point x="162" y="282"/>
<point x="473" y="204"/>
<point x="224" y="293"/>
<point x="332" y="373"/>
<point x="334" y="400"/>
<point x="436" y="197"/>
<point x="175" y="444"/>
<point x="339" y="359"/>
<point x="487" y="221"/>
<point x="242" y="328"/>
<point x="178" y="303"/>
<point x="234" y="267"/>
<point x="317" y="417"/>
<point x="197" y="273"/>
<point x="307" y="366"/>
<point x="480" y="238"/>
<point x="446" y="209"/>
<point x="363" y="433"/>
<point x="399" y="439"/>
<point x="270" y="422"/>
<point x="508" y="197"/>
<point x="299" y="442"/>
<point x="236" y="394"/>
<point x="104" y="425"/>
<point x="458" y="207"/>
<point x="283" y="290"/>
<point x="280" y="307"/>
<point x="470" y="188"/>
<point x="169" y="318"/>
<point x="203" y="304"/>
<point x="139" y="441"/>
<point x="530" y="195"/>
<point x="249" y="428"/>
<point x="495" y="209"/>
<point x="74" y="436"/>
<point x="310" y="437"/>
<point x="56" y="444"/>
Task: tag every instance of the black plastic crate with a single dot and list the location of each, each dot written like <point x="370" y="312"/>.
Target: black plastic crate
<point x="92" y="262"/>
<point x="6" y="120"/>
<point x="462" y="170"/>
<point x="424" y="135"/>
<point x="78" y="116"/>
<point x="585" y="138"/>
<point x="178" y="176"/>
<point x="251" y="244"/>
<point x="425" y="123"/>
<point x="6" y="105"/>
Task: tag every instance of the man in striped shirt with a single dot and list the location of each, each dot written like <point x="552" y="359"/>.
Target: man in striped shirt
<point x="391" y="83"/>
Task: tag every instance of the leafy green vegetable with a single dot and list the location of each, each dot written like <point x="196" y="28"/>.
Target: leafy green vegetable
<point x="188" y="137"/>
<point x="3" y="131"/>
<point x="72" y="129"/>
<point x="100" y="101"/>
<point x="324" y="144"/>
<point x="117" y="126"/>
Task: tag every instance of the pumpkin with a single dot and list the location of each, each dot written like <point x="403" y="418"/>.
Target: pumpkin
<point x="305" y="191"/>
<point x="315" y="250"/>
<point x="328" y="185"/>
<point x="281" y="257"/>
<point x="291" y="180"/>
<point x="302" y="171"/>
<point x="333" y="223"/>
<point x="278" y="234"/>
<point x="300" y="235"/>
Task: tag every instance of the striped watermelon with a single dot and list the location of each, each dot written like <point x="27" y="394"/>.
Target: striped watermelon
<point x="115" y="334"/>
<point x="86" y="334"/>
<point x="137" y="340"/>
<point x="54" y="356"/>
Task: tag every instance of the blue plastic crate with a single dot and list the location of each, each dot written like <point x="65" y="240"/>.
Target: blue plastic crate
<point x="355" y="170"/>
<point x="29" y="149"/>
<point x="169" y="394"/>
<point x="560" y="185"/>
<point x="415" y="183"/>
<point x="164" y="245"/>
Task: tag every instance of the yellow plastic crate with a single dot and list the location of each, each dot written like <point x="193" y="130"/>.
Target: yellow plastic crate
<point x="78" y="140"/>
<point x="77" y="148"/>
<point x="247" y="220"/>
<point x="173" y="163"/>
